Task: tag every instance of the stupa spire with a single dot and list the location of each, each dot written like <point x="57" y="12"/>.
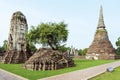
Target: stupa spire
<point x="101" y="20"/>
<point x="101" y="47"/>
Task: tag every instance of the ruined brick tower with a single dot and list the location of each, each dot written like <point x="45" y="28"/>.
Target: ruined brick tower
<point x="17" y="46"/>
<point x="101" y="47"/>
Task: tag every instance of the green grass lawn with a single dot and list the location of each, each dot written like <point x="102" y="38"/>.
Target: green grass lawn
<point x="34" y="75"/>
<point x="115" y="75"/>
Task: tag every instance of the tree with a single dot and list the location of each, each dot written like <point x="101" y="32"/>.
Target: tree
<point x="30" y="46"/>
<point x="3" y="48"/>
<point x="49" y="34"/>
<point x="118" y="46"/>
<point x="63" y="48"/>
<point x="4" y="45"/>
<point x="82" y="52"/>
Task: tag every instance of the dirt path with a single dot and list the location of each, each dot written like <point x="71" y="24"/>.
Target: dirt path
<point x="84" y="74"/>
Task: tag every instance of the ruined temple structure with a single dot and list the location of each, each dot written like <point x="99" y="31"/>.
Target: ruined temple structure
<point x="17" y="47"/>
<point x="48" y="59"/>
<point x="72" y="52"/>
<point x="101" y="47"/>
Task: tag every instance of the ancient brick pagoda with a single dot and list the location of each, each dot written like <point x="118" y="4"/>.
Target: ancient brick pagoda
<point x="17" y="47"/>
<point x="101" y="47"/>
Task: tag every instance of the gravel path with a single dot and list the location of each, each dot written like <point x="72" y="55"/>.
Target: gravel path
<point x="4" y="75"/>
<point x="84" y="74"/>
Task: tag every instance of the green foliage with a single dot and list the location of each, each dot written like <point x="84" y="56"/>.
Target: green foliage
<point x="118" y="51"/>
<point x="101" y="30"/>
<point x="4" y="47"/>
<point x="35" y="75"/>
<point x="63" y="48"/>
<point x="18" y="15"/>
<point x="82" y="52"/>
<point x="30" y="46"/>
<point x="118" y="46"/>
<point x="118" y="42"/>
<point x="49" y="34"/>
<point x="1" y="50"/>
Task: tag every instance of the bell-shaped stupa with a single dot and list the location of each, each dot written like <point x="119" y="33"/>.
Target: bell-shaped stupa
<point x="101" y="47"/>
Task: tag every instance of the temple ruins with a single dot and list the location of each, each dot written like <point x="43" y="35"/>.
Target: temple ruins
<point x="101" y="47"/>
<point x="17" y="47"/>
<point x="48" y="59"/>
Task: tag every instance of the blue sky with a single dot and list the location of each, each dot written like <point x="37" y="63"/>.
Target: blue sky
<point x="80" y="15"/>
